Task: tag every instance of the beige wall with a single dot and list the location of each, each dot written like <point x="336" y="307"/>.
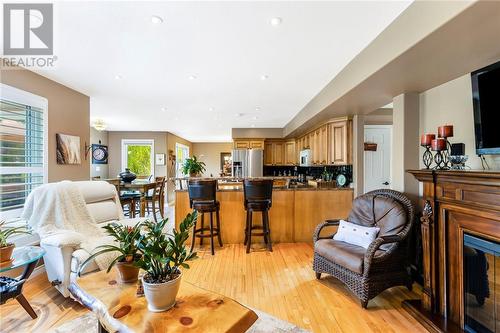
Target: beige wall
<point x="68" y="113"/>
<point x="210" y="154"/>
<point x="98" y="170"/>
<point x="172" y="139"/>
<point x="451" y="103"/>
<point x="115" y="149"/>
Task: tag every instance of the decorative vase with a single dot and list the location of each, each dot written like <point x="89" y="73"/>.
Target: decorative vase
<point x="127" y="176"/>
<point x="193" y="174"/>
<point x="161" y="296"/>
<point x="6" y="252"/>
<point x="127" y="271"/>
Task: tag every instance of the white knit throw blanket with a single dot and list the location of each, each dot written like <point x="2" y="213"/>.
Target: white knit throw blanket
<point x="58" y="209"/>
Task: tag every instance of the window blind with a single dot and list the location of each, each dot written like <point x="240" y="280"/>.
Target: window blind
<point x="21" y="153"/>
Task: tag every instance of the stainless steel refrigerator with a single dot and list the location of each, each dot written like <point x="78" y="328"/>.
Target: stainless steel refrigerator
<point x="248" y="162"/>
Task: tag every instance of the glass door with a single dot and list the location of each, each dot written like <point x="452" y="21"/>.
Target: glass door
<point x="181" y="152"/>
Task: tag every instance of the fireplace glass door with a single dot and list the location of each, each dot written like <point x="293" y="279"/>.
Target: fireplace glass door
<point x="481" y="279"/>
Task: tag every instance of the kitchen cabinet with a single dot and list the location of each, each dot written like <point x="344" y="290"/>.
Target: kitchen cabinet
<point x="330" y="143"/>
<point x="340" y="142"/>
<point x="274" y="153"/>
<point x="248" y="144"/>
<point x="290" y="153"/>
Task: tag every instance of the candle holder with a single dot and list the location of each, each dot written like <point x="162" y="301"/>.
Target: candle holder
<point x="438" y="159"/>
<point x="427" y="156"/>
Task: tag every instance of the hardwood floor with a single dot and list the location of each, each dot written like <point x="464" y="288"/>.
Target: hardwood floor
<point x="281" y="283"/>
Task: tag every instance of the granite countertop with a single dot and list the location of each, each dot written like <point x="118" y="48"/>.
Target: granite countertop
<point x="302" y="188"/>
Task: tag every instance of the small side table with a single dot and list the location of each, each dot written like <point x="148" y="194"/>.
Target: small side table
<point x="12" y="287"/>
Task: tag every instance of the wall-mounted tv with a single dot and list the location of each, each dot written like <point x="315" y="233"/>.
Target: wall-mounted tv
<point x="486" y="99"/>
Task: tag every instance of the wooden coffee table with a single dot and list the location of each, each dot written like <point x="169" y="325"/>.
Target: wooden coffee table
<point x="197" y="310"/>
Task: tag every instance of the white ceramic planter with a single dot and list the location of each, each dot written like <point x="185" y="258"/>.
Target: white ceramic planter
<point x="161" y="296"/>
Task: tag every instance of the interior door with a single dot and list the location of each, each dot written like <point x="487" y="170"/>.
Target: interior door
<point x="377" y="163"/>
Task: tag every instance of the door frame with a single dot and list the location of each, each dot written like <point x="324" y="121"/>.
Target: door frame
<point x="390" y="152"/>
<point x="138" y="142"/>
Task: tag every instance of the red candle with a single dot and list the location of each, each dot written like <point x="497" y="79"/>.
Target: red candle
<point x="438" y="144"/>
<point x="445" y="131"/>
<point x="426" y="139"/>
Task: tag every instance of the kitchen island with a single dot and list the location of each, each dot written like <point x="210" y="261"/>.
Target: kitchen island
<point x="294" y="214"/>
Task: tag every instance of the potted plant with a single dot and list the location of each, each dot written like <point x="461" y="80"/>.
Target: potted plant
<point x="7" y="248"/>
<point x="163" y="256"/>
<point x="127" y="250"/>
<point x="193" y="167"/>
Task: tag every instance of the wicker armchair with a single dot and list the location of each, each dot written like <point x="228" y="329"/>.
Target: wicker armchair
<point x="368" y="272"/>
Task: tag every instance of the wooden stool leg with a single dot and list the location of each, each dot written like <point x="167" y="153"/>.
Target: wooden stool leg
<point x="202" y="227"/>
<point x="26" y="305"/>
<point x="212" y="232"/>
<point x="268" y="230"/>
<point x="249" y="230"/>
<point x="194" y="236"/>
<point x="246" y="229"/>
<point x="217" y="218"/>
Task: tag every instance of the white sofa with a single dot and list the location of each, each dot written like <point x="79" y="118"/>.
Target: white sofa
<point x="63" y="253"/>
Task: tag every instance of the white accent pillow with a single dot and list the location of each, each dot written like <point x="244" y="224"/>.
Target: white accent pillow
<point x="355" y="234"/>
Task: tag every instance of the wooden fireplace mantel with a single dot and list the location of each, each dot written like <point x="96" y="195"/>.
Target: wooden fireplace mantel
<point x="455" y="202"/>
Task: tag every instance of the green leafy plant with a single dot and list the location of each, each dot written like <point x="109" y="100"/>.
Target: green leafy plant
<point x="164" y="254"/>
<point x="191" y="166"/>
<point x="128" y="239"/>
<point x="6" y="232"/>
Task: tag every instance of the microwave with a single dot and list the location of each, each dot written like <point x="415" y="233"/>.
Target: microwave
<point x="305" y="157"/>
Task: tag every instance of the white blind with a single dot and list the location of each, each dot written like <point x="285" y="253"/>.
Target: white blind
<point x="21" y="153"/>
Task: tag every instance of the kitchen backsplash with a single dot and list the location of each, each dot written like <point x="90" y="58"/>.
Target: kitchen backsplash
<point x="314" y="171"/>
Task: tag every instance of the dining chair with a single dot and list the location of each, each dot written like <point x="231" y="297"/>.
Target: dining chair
<point x="153" y="200"/>
<point x="128" y="200"/>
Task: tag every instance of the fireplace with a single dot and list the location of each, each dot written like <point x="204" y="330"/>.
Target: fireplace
<point x="481" y="265"/>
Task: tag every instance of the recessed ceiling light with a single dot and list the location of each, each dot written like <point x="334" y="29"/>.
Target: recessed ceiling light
<point x="210" y="109"/>
<point x="164" y="109"/>
<point x="156" y="19"/>
<point x="253" y="125"/>
<point x="276" y="21"/>
<point x="257" y="108"/>
<point x="118" y="77"/>
<point x="193" y="77"/>
<point x="264" y="77"/>
<point x="176" y="118"/>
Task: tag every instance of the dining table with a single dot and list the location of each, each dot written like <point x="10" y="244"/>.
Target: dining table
<point x="141" y="185"/>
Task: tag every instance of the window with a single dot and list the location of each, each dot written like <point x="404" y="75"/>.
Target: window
<point x="23" y="148"/>
<point x="181" y="152"/>
<point x="138" y="156"/>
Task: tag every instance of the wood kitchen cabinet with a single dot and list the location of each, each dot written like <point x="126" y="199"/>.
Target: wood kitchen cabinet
<point x="340" y="142"/>
<point x="248" y="144"/>
<point x="290" y="153"/>
<point x="330" y="143"/>
<point x="274" y="153"/>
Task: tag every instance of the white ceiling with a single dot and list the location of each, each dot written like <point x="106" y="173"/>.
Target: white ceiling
<point x="228" y="46"/>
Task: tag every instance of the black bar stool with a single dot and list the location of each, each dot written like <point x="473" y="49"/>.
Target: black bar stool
<point x="258" y="194"/>
<point x="202" y="198"/>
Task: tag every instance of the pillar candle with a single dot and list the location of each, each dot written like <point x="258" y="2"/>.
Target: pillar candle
<point x="445" y="131"/>
<point x="426" y="139"/>
<point x="438" y="144"/>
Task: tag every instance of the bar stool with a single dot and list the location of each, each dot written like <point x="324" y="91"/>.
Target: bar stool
<point x="258" y="198"/>
<point x="202" y="198"/>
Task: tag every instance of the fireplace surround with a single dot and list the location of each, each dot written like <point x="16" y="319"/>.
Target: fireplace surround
<point x="456" y="205"/>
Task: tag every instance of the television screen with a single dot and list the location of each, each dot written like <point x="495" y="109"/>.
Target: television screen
<point x="486" y="99"/>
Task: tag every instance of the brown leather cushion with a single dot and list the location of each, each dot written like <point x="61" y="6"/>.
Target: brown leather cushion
<point x="377" y="210"/>
<point x="258" y="205"/>
<point x="206" y="206"/>
<point x="343" y="254"/>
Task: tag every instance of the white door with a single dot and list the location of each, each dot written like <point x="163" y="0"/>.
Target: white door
<point x="377" y="164"/>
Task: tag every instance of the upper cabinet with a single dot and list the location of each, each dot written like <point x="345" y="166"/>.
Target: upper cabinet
<point x="274" y="152"/>
<point x="248" y="143"/>
<point x="330" y="143"/>
<point x="290" y="153"/>
<point x="340" y="139"/>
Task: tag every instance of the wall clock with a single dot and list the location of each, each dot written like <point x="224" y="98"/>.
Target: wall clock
<point x="99" y="154"/>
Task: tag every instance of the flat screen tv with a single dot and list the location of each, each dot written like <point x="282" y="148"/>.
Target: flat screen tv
<point x="486" y="99"/>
